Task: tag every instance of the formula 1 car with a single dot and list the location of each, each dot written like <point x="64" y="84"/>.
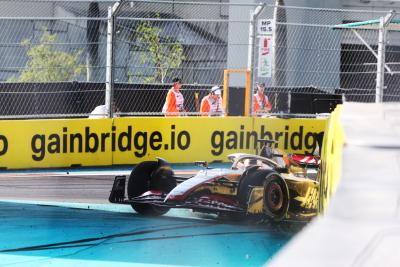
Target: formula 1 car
<point x="271" y="185"/>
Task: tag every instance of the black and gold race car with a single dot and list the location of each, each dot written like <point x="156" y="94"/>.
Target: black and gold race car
<point x="270" y="185"/>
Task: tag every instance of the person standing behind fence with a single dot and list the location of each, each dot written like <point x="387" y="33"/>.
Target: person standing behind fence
<point x="100" y="112"/>
<point x="261" y="103"/>
<point x="174" y="102"/>
<point x="211" y="104"/>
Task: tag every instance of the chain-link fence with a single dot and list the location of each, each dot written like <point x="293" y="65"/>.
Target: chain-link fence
<point x="64" y="58"/>
<point x="316" y="48"/>
<point x="52" y="62"/>
<point x="161" y="40"/>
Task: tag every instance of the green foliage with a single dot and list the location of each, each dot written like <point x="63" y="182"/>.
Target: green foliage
<point x="45" y="64"/>
<point x="165" y="56"/>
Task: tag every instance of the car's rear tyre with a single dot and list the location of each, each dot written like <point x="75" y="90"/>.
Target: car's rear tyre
<point x="149" y="175"/>
<point x="276" y="197"/>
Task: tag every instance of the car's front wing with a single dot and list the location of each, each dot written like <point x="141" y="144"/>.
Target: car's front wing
<point x="211" y="203"/>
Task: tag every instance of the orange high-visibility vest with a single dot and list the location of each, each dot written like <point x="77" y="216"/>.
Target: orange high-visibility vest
<point x="260" y="103"/>
<point x="173" y="103"/>
<point x="210" y="107"/>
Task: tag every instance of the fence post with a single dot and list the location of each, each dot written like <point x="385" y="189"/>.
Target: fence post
<point x="110" y="57"/>
<point x="226" y="92"/>
<point x="380" y="72"/>
<point x="250" y="59"/>
<point x="248" y="105"/>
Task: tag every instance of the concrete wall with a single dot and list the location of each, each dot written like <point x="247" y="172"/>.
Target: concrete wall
<point x="361" y="225"/>
<point x="325" y="63"/>
<point x="26" y="9"/>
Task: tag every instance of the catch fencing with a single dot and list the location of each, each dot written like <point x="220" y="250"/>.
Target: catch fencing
<point x="64" y="58"/>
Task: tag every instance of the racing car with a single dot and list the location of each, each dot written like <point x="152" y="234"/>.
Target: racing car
<point x="270" y="185"/>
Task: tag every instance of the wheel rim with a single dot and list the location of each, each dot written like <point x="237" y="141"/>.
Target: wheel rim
<point x="274" y="197"/>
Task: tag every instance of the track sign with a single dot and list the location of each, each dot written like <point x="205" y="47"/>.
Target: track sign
<point x="265" y="26"/>
<point x="265" y="57"/>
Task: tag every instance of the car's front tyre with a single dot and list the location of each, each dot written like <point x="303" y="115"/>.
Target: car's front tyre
<point x="149" y="175"/>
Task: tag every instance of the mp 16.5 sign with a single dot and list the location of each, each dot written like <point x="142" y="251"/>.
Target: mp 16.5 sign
<point x="265" y="26"/>
<point x="265" y="30"/>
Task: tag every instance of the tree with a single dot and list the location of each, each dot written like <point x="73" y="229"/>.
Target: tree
<point x="165" y="56"/>
<point x="46" y="64"/>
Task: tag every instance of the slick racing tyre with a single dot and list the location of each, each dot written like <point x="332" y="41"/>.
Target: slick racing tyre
<point x="276" y="197"/>
<point x="255" y="178"/>
<point x="148" y="175"/>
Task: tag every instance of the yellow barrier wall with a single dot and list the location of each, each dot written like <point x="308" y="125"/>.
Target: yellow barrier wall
<point x="331" y="158"/>
<point x="102" y="142"/>
<point x="54" y="143"/>
<point x="291" y="135"/>
<point x="181" y="139"/>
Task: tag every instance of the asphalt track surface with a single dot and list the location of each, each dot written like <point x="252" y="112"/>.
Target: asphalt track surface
<point x="56" y="187"/>
<point x="60" y="219"/>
